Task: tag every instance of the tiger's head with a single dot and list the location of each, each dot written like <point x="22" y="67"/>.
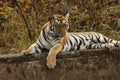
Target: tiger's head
<point x="59" y="25"/>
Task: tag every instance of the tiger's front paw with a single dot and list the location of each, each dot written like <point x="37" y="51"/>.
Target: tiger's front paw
<point x="51" y="61"/>
<point x="26" y="52"/>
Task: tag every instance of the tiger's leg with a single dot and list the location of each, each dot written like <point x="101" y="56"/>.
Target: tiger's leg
<point x="51" y="58"/>
<point x="34" y="48"/>
<point x="100" y="38"/>
<point x="109" y="46"/>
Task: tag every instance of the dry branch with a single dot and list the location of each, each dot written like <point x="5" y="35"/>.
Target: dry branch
<point x="24" y="18"/>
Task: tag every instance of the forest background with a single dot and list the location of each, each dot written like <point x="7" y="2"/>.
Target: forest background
<point x="21" y="20"/>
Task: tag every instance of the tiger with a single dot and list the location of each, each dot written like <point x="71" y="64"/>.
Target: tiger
<point x="55" y="37"/>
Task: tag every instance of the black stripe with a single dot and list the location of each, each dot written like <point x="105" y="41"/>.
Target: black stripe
<point x="91" y="35"/>
<point x="90" y="46"/>
<point x="116" y="45"/>
<point x="87" y="47"/>
<point x="88" y="35"/>
<point x="82" y="39"/>
<point x="44" y="35"/>
<point x="96" y="37"/>
<point x="41" y="43"/>
<point x="78" y="47"/>
<point x="38" y="46"/>
<point x="111" y="40"/>
<point x="85" y="37"/>
<point x="95" y="46"/>
<point x="71" y="44"/>
<point x="36" y="50"/>
<point x="75" y="38"/>
<point x="105" y="39"/>
<point x="51" y="28"/>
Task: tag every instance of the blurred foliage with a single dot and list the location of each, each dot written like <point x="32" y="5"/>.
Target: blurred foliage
<point x="11" y="28"/>
<point x="85" y="15"/>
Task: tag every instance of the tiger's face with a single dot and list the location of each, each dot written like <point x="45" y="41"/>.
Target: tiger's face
<point x="59" y="25"/>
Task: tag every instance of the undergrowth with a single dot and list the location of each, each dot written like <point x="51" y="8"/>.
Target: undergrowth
<point x="83" y="17"/>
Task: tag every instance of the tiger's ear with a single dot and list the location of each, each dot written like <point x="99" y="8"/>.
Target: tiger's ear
<point x="50" y="18"/>
<point x="67" y="15"/>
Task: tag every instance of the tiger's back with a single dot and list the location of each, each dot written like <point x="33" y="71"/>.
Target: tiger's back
<point x="88" y="40"/>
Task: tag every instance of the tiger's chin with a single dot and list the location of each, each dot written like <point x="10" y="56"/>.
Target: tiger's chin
<point x="57" y="35"/>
